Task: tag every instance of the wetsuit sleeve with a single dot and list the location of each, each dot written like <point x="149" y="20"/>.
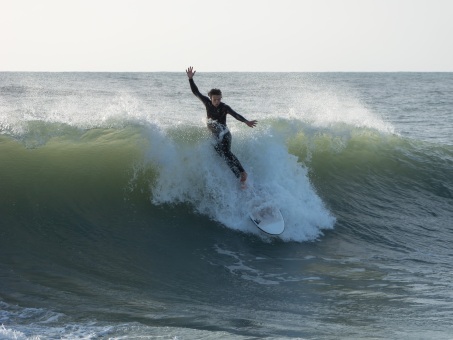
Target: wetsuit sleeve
<point x="235" y="114"/>
<point x="197" y="93"/>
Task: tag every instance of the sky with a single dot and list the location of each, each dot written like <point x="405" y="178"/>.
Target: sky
<point x="225" y="36"/>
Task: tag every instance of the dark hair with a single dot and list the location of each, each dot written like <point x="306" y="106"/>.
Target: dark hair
<point x="214" y="92"/>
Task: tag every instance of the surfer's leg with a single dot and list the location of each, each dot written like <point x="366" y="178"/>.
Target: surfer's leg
<point x="223" y="149"/>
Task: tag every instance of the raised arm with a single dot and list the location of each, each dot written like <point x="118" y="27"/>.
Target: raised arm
<point x="190" y="73"/>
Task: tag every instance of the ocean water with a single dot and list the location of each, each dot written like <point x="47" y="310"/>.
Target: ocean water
<point x="119" y="221"/>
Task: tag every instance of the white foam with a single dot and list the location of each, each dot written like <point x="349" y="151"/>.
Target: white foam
<point x="195" y="174"/>
<point x="249" y="269"/>
<point x="6" y="333"/>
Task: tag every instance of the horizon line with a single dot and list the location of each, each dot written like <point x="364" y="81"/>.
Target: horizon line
<point x="91" y="71"/>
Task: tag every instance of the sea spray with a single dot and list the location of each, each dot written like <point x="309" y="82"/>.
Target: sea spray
<point x="193" y="173"/>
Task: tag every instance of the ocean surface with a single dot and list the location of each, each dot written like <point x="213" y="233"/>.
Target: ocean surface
<point x="119" y="221"/>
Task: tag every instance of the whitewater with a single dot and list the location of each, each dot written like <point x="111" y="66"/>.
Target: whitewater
<point x="119" y="220"/>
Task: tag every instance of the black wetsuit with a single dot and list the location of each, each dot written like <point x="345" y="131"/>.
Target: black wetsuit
<point x="217" y="125"/>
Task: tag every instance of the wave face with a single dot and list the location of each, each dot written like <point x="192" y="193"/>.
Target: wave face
<point x="354" y="170"/>
<point x="113" y="200"/>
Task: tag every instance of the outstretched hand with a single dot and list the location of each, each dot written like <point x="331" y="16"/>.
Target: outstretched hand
<point x="190" y="72"/>
<point x="251" y="123"/>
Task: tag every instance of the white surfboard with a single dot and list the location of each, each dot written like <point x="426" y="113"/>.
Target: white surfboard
<point x="269" y="219"/>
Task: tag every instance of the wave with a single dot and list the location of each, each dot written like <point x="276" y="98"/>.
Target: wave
<point x="132" y="214"/>
<point x="98" y="167"/>
<point x="304" y="168"/>
<point x="385" y="190"/>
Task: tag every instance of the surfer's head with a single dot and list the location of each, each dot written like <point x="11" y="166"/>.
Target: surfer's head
<point x="216" y="96"/>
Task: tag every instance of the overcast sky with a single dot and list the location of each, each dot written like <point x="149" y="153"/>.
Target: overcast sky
<point x="229" y="35"/>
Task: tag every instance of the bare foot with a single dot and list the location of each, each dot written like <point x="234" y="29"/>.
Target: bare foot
<point x="243" y="180"/>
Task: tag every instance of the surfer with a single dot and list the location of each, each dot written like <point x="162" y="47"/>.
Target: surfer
<point x="216" y="113"/>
